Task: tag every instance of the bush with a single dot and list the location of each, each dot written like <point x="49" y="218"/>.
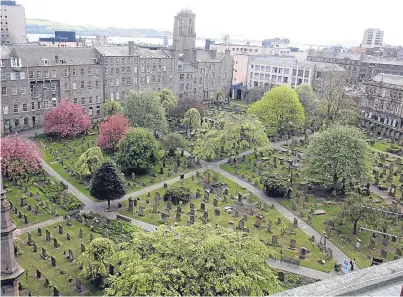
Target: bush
<point x="275" y="184"/>
<point x="177" y="193"/>
<point x="112" y="131"/>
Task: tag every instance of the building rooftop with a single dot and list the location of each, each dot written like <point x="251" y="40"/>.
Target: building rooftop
<point x="123" y="51"/>
<point x="34" y="55"/>
<point x="389" y="79"/>
<point x="204" y="56"/>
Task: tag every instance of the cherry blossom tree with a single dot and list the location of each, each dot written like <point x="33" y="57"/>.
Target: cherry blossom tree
<point x="112" y="131"/>
<point x="67" y="120"/>
<point x="19" y="157"/>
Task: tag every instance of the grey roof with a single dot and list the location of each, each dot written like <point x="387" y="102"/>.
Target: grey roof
<point x="34" y="55"/>
<point x="204" y="56"/>
<point x="123" y="51"/>
<point x="186" y="67"/>
<point x="389" y="79"/>
<point x="322" y="66"/>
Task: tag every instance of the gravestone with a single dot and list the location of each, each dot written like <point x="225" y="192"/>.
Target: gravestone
<point x="358" y="244"/>
<point x="231" y="226"/>
<point x="371" y="244"/>
<point x="70" y="257"/>
<point x="241" y="225"/>
<point x="68" y="235"/>
<point x="47" y="236"/>
<point x="38" y="273"/>
<point x="206" y="196"/>
<point x="281" y="276"/>
<point x="178" y="216"/>
<point x="55" y="291"/>
<point x="53" y="261"/>
<point x="169" y="205"/>
<point x="131" y="204"/>
<point x="278" y="221"/>
<point x="35" y="248"/>
<point x="217" y="212"/>
<point x="303" y="252"/>
<point x="30" y="241"/>
<point x="164" y="217"/>
<point x="258" y="221"/>
<point x="25" y="219"/>
<point x="68" y="220"/>
<point x="55" y="242"/>
<point x="384" y="253"/>
<point x="329" y="253"/>
<point x="141" y="210"/>
<point x="203" y="206"/>
<point x="295" y="223"/>
<point x="91" y="236"/>
<point x="39" y="231"/>
<point x="60" y="229"/>
<point x="215" y="202"/>
<point x="82" y="247"/>
<point x="274" y="240"/>
<point x="293" y="244"/>
<point x="111" y="269"/>
<point x="80" y="234"/>
<point x="78" y="285"/>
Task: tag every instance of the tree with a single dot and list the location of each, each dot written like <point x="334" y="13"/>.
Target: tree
<point x="193" y="261"/>
<point x="279" y="109"/>
<point x="112" y="131"/>
<point x="107" y="183"/>
<point x="338" y="154"/>
<point x="233" y="134"/>
<point x="167" y="99"/>
<point x="172" y="141"/>
<point x="111" y="107"/>
<point x="307" y="98"/>
<point x="275" y="184"/>
<point x="177" y="193"/>
<point x="138" y="150"/>
<point x="335" y="103"/>
<point x="67" y="120"/>
<point x="144" y="109"/>
<point x="19" y="157"/>
<point x="192" y="119"/>
<point x="219" y="97"/>
<point x="90" y="160"/>
<point x="184" y="105"/>
<point x="254" y="94"/>
<point x="355" y="209"/>
<point x="96" y="258"/>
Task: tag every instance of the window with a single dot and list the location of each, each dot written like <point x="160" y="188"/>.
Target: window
<point x="98" y="110"/>
<point x="39" y="105"/>
<point x="142" y="80"/>
<point x="31" y="88"/>
<point x="75" y="100"/>
<point x="106" y="70"/>
<point x="23" y="90"/>
<point x="112" y="82"/>
<point x="74" y="86"/>
<point x="13" y="76"/>
<point x="89" y="71"/>
<point x="82" y="71"/>
<point x="15" y="62"/>
<point x="257" y="68"/>
<point x="111" y="96"/>
<point x="46" y="73"/>
<point x="25" y="121"/>
<point x="14" y="90"/>
<point x="33" y="105"/>
<point x="142" y="69"/>
<point x="148" y="79"/>
<point x="97" y="84"/>
<point x="117" y="96"/>
<point x="5" y="109"/>
<point x="23" y="75"/>
<point x="66" y="72"/>
<point x="112" y="70"/>
<point x="181" y="77"/>
<point x="135" y="69"/>
<point x="134" y="81"/>
<point x="39" y="74"/>
<point x="90" y="84"/>
<point x="82" y="84"/>
<point x="15" y="108"/>
<point x="53" y="73"/>
<point x="53" y="87"/>
<point x="117" y="60"/>
<point x="44" y="89"/>
<point x="127" y="70"/>
<point x="90" y="100"/>
<point x="117" y="82"/>
<point x="74" y="72"/>
<point x="90" y="111"/>
<point x="117" y="70"/>
<point x="54" y="102"/>
<point x="123" y="69"/>
<point x="106" y="83"/>
<point x="45" y="61"/>
<point x="96" y="71"/>
<point x="66" y="86"/>
<point x="25" y="107"/>
<point x="82" y="100"/>
<point x="31" y="75"/>
<point x="97" y="99"/>
<point x="3" y="76"/>
<point x="16" y="122"/>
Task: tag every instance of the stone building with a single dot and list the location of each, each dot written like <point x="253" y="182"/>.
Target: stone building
<point x="130" y="67"/>
<point x="382" y="106"/>
<point x="359" y="67"/>
<point x="34" y="79"/>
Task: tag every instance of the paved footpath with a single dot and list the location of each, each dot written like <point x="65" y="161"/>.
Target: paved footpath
<point x="41" y="225"/>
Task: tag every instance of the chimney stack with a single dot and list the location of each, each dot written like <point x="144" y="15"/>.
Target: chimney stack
<point x="132" y="48"/>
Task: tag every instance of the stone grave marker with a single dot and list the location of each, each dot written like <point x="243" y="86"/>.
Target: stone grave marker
<point x="241" y="225"/>
<point x="295" y="223"/>
<point x="70" y="257"/>
<point x="47" y="236"/>
<point x="55" y="242"/>
<point x="78" y="285"/>
<point x="82" y="247"/>
<point x="53" y="261"/>
<point x="274" y="240"/>
<point x="60" y="229"/>
<point x="384" y="253"/>
<point x="35" y="248"/>
<point x="231" y="226"/>
<point x="293" y="244"/>
<point x="303" y="252"/>
<point x="38" y="273"/>
<point x="329" y="253"/>
<point x="141" y="210"/>
<point x="371" y="244"/>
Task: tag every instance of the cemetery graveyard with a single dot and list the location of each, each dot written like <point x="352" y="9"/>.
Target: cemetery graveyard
<point x="62" y="156"/>
<point x="38" y="199"/>
<point x="222" y="202"/>
<point x="50" y="255"/>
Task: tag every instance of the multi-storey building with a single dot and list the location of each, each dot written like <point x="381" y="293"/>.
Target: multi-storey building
<point x="373" y="37"/>
<point x="34" y="80"/>
<point x="359" y="67"/>
<point x="382" y="105"/>
<point x="268" y="71"/>
<point x="127" y="68"/>
<point x="12" y="21"/>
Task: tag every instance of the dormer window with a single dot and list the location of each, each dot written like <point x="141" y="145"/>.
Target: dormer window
<point x="15" y="62"/>
<point x="45" y="61"/>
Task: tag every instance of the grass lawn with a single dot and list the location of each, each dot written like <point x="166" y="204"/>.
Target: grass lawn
<point x="283" y="231"/>
<point x="238" y="103"/>
<point x="66" y="153"/>
<point x="41" y="192"/>
<point x="381" y="145"/>
<point x="31" y="261"/>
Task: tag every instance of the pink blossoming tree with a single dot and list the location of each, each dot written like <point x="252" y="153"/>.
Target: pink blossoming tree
<point x="19" y="157"/>
<point x="67" y="120"/>
<point x="112" y="131"/>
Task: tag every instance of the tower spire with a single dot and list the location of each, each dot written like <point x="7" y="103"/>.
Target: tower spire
<point x="10" y="269"/>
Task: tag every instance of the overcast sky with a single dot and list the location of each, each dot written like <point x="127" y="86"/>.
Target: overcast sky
<point x="303" y="21"/>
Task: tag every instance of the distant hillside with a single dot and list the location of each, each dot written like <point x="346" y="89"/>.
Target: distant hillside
<point x="37" y="26"/>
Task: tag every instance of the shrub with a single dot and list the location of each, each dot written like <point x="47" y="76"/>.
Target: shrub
<point x="177" y="193"/>
<point x="275" y="184"/>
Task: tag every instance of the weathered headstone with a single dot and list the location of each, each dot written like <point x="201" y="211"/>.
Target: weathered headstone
<point x="53" y="261"/>
<point x="293" y="244"/>
<point x="78" y="285"/>
<point x="60" y="229"/>
<point x="47" y="236"/>
<point x="303" y="252"/>
<point x="82" y="247"/>
<point x="384" y="253"/>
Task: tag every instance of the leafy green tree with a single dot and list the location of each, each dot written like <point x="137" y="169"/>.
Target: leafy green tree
<point x="107" y="183"/>
<point x="90" y="160"/>
<point x="177" y="193"/>
<point x="201" y="260"/>
<point x="111" y="107"/>
<point x="144" y="109"/>
<point x="167" y="99"/>
<point x="279" y="109"/>
<point x="219" y="97"/>
<point x="275" y="184"/>
<point x="307" y="98"/>
<point x="192" y="119"/>
<point x="172" y="141"/>
<point x="338" y="154"/>
<point x="354" y="212"/>
<point x="138" y="150"/>
<point x="96" y="258"/>
<point x="233" y="134"/>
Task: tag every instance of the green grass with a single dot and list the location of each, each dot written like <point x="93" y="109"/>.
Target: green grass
<point x="65" y="153"/>
<point x="224" y="218"/>
<point x="238" y="103"/>
<point x="381" y="145"/>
